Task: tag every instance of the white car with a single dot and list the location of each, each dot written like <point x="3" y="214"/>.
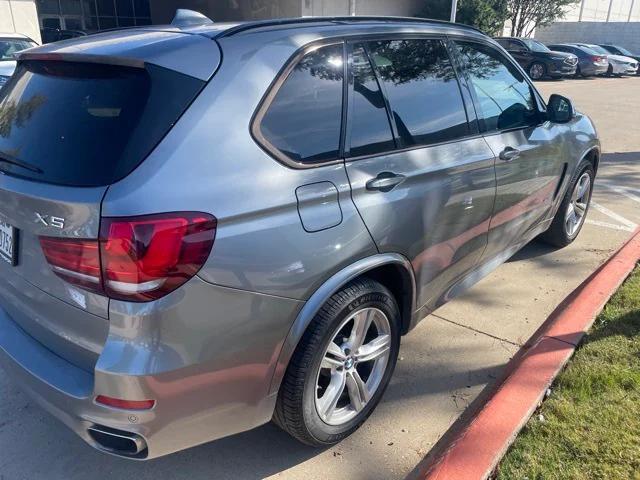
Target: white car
<point x="618" y="64"/>
<point x="10" y="44"/>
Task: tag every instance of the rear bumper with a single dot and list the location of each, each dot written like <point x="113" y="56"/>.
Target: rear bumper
<point x="200" y="395"/>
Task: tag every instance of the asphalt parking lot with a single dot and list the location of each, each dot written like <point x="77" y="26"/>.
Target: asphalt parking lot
<point x="444" y="364"/>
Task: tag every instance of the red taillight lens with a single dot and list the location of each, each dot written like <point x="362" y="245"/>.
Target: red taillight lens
<point x="147" y="257"/>
<point x="77" y="261"/>
<point x="137" y="258"/>
<point x="125" y="404"/>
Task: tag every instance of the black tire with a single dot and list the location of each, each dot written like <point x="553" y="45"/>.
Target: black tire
<point x="578" y="73"/>
<point x="557" y="234"/>
<point x="610" y="70"/>
<point x="532" y="75"/>
<point x="296" y="411"/>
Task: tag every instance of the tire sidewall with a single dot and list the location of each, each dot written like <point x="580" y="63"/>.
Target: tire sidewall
<point x="585" y="166"/>
<point x="329" y="434"/>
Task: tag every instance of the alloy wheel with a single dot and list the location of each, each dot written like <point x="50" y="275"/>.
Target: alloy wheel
<point x="577" y="209"/>
<point x="353" y="365"/>
<point x="536" y="71"/>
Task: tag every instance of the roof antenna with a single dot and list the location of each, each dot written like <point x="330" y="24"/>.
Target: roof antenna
<point x="189" y="18"/>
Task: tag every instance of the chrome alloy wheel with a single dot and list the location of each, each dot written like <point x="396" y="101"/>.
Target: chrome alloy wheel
<point x="353" y="366"/>
<point x="577" y="209"/>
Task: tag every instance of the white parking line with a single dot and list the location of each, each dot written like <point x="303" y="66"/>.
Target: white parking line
<point x="625" y="191"/>
<point x="627" y="225"/>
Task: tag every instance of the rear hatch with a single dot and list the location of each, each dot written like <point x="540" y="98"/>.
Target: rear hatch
<point x="71" y="124"/>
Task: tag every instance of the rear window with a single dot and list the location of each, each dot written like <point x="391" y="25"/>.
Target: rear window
<point x="83" y="124"/>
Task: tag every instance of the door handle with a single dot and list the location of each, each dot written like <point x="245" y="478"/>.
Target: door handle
<point x="509" y="154"/>
<point x="385" y="181"/>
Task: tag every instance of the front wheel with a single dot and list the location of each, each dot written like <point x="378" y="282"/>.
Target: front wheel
<point x="342" y="365"/>
<point x="537" y="71"/>
<point x="572" y="213"/>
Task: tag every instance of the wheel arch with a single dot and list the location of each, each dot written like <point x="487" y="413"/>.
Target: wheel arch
<point x="593" y="156"/>
<point x="393" y="270"/>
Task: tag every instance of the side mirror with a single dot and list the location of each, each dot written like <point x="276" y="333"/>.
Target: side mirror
<point x="560" y="109"/>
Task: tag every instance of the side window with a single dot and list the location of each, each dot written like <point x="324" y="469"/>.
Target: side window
<point x="370" y="129"/>
<point x="505" y="98"/>
<point x="304" y="118"/>
<point x="422" y="89"/>
<point x="515" y="46"/>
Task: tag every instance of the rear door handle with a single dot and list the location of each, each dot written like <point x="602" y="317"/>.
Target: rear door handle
<point x="509" y="154"/>
<point x="385" y="181"/>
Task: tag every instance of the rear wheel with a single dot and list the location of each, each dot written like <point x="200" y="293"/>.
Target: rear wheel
<point x="537" y="71"/>
<point x="342" y="365"/>
<point x="572" y="213"/>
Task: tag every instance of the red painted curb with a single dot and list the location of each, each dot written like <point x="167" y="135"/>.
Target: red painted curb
<point x="475" y="450"/>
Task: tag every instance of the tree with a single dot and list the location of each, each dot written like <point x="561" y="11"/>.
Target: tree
<point x="487" y="15"/>
<point x="527" y="15"/>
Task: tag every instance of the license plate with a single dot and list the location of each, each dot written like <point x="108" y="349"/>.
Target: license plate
<point x="8" y="235"/>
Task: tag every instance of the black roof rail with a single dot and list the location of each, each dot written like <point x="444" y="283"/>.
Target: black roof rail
<point x="243" y="27"/>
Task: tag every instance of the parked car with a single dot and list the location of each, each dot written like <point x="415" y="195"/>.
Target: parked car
<point x="618" y="50"/>
<point x="618" y="64"/>
<point x="199" y="237"/>
<point x="10" y="44"/>
<point x="537" y="60"/>
<point x="590" y="63"/>
<point x="50" y="35"/>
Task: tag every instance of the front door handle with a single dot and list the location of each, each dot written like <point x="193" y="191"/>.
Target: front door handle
<point x="385" y="181"/>
<point x="509" y="154"/>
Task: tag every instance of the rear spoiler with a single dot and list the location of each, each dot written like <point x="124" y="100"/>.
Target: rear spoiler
<point x="82" y="57"/>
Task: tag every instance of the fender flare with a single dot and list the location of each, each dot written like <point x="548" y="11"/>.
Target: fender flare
<point x="322" y="294"/>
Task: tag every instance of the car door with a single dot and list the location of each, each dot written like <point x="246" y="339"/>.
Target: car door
<point x="529" y="165"/>
<point x="421" y="177"/>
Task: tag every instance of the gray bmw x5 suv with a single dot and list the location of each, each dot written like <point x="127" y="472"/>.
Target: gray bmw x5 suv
<point x="205" y="226"/>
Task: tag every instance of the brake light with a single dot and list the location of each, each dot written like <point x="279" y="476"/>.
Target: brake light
<point x="136" y="258"/>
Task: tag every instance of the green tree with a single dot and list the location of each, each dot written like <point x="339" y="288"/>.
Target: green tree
<point x="527" y="15"/>
<point x="487" y="15"/>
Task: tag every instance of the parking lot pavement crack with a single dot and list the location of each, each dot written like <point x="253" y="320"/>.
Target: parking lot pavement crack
<point x="515" y="344"/>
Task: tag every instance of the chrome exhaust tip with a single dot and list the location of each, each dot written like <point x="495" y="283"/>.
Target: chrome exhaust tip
<point x="118" y="442"/>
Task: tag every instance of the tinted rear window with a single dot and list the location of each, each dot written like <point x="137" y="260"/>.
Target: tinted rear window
<point x="86" y="124"/>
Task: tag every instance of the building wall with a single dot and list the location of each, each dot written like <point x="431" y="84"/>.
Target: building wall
<point x="162" y="11"/>
<point x="625" y="34"/>
<point x="403" y="8"/>
<point x="20" y="16"/>
<point x="598" y="11"/>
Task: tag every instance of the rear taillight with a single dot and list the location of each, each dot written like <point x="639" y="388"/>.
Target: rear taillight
<point x="136" y="258"/>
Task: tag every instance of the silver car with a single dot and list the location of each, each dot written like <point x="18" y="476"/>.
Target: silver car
<point x="205" y="226"/>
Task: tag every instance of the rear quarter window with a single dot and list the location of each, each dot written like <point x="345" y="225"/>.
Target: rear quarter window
<point x="303" y="120"/>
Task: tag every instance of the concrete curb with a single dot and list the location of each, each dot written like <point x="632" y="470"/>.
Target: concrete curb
<point x="474" y="450"/>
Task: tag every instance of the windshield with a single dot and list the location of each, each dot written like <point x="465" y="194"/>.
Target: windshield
<point x="623" y="50"/>
<point x="598" y="49"/>
<point x="535" y="46"/>
<point x="10" y="46"/>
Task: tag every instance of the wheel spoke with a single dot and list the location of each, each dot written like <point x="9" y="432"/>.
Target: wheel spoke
<point x="334" y="357"/>
<point x="583" y="189"/>
<point x="327" y="403"/>
<point x="374" y="349"/>
<point x="361" y="323"/>
<point x="580" y="208"/>
<point x="357" y="389"/>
